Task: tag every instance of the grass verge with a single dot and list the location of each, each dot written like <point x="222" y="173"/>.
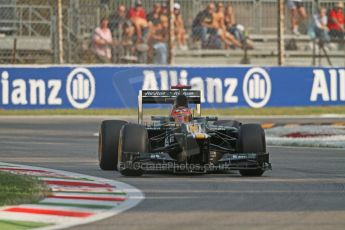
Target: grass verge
<point x="20" y="225"/>
<point x="20" y="189"/>
<point x="340" y="110"/>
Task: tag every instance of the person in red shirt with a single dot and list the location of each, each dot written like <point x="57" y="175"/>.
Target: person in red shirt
<point x="137" y="11"/>
<point x="137" y="15"/>
<point x="336" y="21"/>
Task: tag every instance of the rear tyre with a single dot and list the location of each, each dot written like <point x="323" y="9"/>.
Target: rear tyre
<point x="251" y="140"/>
<point x="108" y="141"/>
<point x="231" y="123"/>
<point x="133" y="139"/>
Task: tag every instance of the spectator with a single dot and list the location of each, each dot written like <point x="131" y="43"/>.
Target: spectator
<point x="164" y="17"/>
<point x="229" y="17"/>
<point x="127" y="36"/>
<point x="158" y="40"/>
<point x="201" y="23"/>
<point x="123" y="31"/>
<point x="117" y="19"/>
<point x="102" y="42"/>
<point x="296" y="8"/>
<point x="180" y="32"/>
<point x="157" y="8"/>
<point x="320" y="25"/>
<point x="137" y="15"/>
<point x="237" y="30"/>
<point x="137" y="11"/>
<point x="336" y="22"/>
<point x="218" y="27"/>
<point x="164" y="9"/>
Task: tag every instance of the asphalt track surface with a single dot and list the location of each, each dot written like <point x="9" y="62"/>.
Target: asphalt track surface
<point x="305" y="190"/>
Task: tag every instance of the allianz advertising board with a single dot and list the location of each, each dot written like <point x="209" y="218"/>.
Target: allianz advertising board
<point x="94" y="87"/>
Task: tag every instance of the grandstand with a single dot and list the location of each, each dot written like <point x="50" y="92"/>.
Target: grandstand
<point x="28" y="31"/>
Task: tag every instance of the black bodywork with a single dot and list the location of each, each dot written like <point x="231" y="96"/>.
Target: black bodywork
<point x="173" y="147"/>
<point x="201" y="145"/>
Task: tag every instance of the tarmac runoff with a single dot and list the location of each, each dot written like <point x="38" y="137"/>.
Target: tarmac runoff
<point x="76" y="199"/>
<point x="305" y="190"/>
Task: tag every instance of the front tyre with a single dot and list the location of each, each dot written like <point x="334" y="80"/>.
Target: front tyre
<point x="108" y="141"/>
<point x="133" y="140"/>
<point x="251" y="140"/>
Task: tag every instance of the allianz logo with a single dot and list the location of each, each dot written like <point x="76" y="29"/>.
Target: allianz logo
<point x="328" y="85"/>
<point x="256" y="86"/>
<point x="80" y="90"/>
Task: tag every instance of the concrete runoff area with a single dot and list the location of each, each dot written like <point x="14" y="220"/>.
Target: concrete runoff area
<point x="308" y="135"/>
<point x="305" y="189"/>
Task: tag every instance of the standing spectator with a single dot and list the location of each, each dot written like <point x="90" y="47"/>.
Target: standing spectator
<point x="201" y="23"/>
<point x="296" y="8"/>
<point x="320" y="25"/>
<point x="180" y="32"/>
<point x="158" y="40"/>
<point x="102" y="42"/>
<point x="336" y="22"/>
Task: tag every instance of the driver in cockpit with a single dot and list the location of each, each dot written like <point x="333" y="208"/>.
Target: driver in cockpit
<point x="180" y="112"/>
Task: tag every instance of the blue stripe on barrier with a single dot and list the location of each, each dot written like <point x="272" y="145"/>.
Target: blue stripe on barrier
<point x="117" y="87"/>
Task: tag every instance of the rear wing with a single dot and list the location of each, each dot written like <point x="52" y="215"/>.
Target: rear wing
<point x="166" y="97"/>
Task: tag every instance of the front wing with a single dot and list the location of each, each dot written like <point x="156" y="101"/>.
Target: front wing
<point x="163" y="162"/>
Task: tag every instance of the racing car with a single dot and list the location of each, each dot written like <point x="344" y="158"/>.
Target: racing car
<point x="182" y="141"/>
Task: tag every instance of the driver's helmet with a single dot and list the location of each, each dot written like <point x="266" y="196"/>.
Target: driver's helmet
<point x="181" y="114"/>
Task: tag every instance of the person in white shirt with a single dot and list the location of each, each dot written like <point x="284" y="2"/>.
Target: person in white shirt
<point x="296" y="8"/>
<point x="102" y="42"/>
<point x="320" y="21"/>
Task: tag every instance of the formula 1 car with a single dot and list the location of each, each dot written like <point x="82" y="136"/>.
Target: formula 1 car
<point x="182" y="141"/>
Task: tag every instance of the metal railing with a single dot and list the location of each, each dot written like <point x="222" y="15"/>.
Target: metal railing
<point x="27" y="20"/>
<point x="24" y="20"/>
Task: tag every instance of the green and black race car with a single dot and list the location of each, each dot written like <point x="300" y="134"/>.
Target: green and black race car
<point x="181" y="142"/>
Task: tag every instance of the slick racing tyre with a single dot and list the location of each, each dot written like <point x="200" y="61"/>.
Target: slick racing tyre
<point x="133" y="139"/>
<point x="251" y="140"/>
<point x="108" y="141"/>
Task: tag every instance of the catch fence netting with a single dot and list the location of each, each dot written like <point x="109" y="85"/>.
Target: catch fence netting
<point x="237" y="32"/>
